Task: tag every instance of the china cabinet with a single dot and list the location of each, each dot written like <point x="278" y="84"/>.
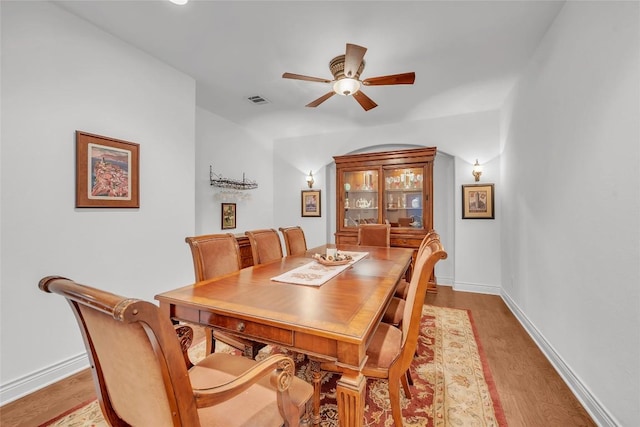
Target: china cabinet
<point x="392" y="186"/>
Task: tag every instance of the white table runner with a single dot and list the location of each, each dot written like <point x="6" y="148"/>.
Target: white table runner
<point x="315" y="274"/>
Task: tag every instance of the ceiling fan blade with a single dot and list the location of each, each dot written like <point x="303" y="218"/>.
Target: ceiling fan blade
<point x="352" y="59"/>
<point x="366" y="102"/>
<point x="307" y="78"/>
<point x="321" y="99"/>
<point x="394" y="79"/>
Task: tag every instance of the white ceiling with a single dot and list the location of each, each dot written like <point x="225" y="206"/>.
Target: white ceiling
<point x="466" y="54"/>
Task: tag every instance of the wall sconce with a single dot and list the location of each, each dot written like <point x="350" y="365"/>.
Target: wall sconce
<point x="310" y="179"/>
<point x="477" y="171"/>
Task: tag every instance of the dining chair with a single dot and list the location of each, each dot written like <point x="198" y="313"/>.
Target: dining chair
<point x="141" y="378"/>
<point x="265" y="245"/>
<point x="403" y="286"/>
<point x="294" y="240"/>
<point x="405" y="221"/>
<point x="391" y="349"/>
<point x="215" y="255"/>
<point x="374" y="235"/>
<point x="395" y="310"/>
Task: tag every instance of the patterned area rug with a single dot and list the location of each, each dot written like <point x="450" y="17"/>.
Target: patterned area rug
<point x="452" y="382"/>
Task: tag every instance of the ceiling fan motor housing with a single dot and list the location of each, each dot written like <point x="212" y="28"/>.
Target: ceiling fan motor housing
<point x="336" y="66"/>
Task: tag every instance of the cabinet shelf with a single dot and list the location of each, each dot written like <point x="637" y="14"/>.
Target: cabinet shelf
<point x="361" y="191"/>
<point x="403" y="190"/>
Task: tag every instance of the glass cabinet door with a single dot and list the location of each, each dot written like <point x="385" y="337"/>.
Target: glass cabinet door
<point x="403" y="197"/>
<point x="360" y="197"/>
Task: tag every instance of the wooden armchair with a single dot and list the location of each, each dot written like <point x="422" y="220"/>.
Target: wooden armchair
<point x="215" y="255"/>
<point x="374" y="235"/>
<point x="141" y="378"/>
<point x="265" y="245"/>
<point x="392" y="349"/>
<point x="294" y="240"/>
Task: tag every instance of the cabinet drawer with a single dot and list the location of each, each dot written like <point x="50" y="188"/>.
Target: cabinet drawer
<point x="247" y="328"/>
<point x="347" y="240"/>
<point x="406" y="242"/>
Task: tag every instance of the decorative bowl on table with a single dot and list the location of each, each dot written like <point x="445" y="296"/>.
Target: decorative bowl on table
<point x="337" y="259"/>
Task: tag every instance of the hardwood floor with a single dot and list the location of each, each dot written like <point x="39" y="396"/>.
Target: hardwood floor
<point x="531" y="392"/>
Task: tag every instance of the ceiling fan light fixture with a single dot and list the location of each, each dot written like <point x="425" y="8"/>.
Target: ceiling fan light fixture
<point x="346" y="86"/>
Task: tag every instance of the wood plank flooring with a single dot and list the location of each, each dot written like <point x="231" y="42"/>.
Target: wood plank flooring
<point x="531" y="392"/>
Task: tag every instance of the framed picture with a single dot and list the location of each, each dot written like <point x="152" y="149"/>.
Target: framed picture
<point x="477" y="201"/>
<point x="311" y="205"/>
<point x="228" y="216"/>
<point x="107" y="172"/>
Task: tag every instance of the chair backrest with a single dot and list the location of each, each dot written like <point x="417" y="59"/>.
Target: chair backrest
<point x="374" y="235"/>
<point x="265" y="245"/>
<point x="214" y="255"/>
<point x="428" y="238"/>
<point x="432" y="252"/>
<point x="405" y="222"/>
<point x="137" y="365"/>
<point x="294" y="240"/>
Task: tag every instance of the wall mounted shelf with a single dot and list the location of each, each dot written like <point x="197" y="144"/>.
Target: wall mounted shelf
<point x="222" y="182"/>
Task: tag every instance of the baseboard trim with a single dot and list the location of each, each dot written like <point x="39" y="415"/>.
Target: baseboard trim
<point x="477" y="288"/>
<point x="27" y="384"/>
<point x="592" y="405"/>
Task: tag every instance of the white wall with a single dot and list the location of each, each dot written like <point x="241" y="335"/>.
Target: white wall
<point x="231" y="151"/>
<point x="59" y="75"/>
<point x="571" y="203"/>
<point x="477" y="247"/>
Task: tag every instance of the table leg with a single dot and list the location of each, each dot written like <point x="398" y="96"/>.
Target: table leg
<point x="316" y="376"/>
<point x="350" y="396"/>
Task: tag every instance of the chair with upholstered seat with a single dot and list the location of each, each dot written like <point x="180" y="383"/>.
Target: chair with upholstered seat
<point x="294" y="240"/>
<point x="215" y="255"/>
<point x="374" y="235"/>
<point x="265" y="245"/>
<point x="392" y="349"/>
<point x="401" y="290"/>
<point x="141" y="378"/>
<point x="395" y="310"/>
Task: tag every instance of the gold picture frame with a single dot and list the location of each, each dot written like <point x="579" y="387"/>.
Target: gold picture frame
<point x="478" y="201"/>
<point x="228" y="216"/>
<point x="107" y="172"/>
<point x="311" y="203"/>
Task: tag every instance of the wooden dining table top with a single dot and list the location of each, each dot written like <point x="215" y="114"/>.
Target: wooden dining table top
<point x="333" y="321"/>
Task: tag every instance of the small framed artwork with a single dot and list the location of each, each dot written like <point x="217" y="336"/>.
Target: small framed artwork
<point x="228" y="216"/>
<point x="107" y="172"/>
<point x="311" y="205"/>
<point x="477" y="201"/>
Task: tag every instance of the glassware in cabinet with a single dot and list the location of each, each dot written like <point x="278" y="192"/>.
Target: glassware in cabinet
<point x="361" y="191"/>
<point x="403" y="195"/>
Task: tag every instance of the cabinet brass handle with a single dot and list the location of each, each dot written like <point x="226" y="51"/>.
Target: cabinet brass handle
<point x="240" y="327"/>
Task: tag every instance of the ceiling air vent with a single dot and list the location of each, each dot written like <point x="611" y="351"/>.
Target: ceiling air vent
<point x="258" y="100"/>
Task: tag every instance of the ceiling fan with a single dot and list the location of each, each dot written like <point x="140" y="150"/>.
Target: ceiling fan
<point x="346" y="70"/>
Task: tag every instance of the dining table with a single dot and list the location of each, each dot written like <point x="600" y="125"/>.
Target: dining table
<point x="327" y="312"/>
